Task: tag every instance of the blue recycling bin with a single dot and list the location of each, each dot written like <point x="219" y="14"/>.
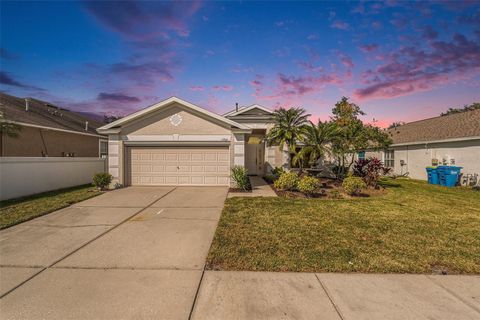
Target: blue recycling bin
<point x="432" y="175"/>
<point x="448" y="175"/>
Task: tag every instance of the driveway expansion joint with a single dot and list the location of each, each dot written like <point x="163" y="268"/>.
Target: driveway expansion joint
<point x="126" y="268"/>
<point x="86" y="243"/>
<point x="337" y="309"/>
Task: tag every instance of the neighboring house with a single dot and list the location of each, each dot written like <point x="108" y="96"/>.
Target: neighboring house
<point x="175" y="142"/>
<point x="47" y="130"/>
<point x="447" y="140"/>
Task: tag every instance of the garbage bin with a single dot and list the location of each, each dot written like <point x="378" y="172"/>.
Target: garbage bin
<point x="432" y="175"/>
<point x="441" y="175"/>
<point x="449" y="175"/>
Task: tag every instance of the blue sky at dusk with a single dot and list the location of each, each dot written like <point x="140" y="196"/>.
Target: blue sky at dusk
<point x="400" y="61"/>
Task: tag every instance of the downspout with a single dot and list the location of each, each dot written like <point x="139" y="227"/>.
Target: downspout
<point x="44" y="144"/>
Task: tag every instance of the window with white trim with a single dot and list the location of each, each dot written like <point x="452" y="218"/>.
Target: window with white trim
<point x="361" y="155"/>
<point x="103" y="148"/>
<point x="389" y="158"/>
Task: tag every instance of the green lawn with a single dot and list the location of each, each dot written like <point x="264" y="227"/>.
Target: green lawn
<point x="413" y="228"/>
<point x="19" y="210"/>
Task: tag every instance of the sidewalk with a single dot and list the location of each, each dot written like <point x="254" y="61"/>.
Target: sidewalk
<point x="259" y="189"/>
<point x="271" y="295"/>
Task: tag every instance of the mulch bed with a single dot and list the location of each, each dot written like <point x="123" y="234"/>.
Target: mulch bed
<point x="330" y="189"/>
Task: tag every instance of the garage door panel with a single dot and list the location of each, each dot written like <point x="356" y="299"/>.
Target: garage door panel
<point x="157" y="168"/>
<point x="179" y="166"/>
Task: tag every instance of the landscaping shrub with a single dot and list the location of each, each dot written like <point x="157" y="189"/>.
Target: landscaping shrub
<point x="308" y="185"/>
<point x="277" y="171"/>
<point x="287" y="181"/>
<point x="102" y="180"/>
<point x="274" y="174"/>
<point x="240" y="177"/>
<point x="353" y="185"/>
<point x="370" y="170"/>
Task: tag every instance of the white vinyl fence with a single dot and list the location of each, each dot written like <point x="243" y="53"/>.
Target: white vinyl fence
<point x="23" y="176"/>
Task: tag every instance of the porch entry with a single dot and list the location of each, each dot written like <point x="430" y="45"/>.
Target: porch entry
<point x="255" y="154"/>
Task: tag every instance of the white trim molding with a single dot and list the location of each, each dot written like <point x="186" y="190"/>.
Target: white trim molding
<point x="435" y="141"/>
<point x="179" y="137"/>
<point x="56" y="129"/>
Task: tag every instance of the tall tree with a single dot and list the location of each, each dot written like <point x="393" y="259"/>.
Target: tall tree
<point x="353" y="135"/>
<point x="396" y="124"/>
<point x="290" y="127"/>
<point x="473" y="106"/>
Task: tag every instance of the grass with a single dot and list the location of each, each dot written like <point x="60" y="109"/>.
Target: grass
<point x="413" y="228"/>
<point x="15" y="211"/>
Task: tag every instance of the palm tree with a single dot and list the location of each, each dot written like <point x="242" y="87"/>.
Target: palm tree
<point x="290" y="127"/>
<point x="317" y="140"/>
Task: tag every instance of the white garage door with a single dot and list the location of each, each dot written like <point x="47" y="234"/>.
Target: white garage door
<point x="179" y="166"/>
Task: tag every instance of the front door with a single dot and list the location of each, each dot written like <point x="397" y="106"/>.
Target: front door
<point x="254" y="155"/>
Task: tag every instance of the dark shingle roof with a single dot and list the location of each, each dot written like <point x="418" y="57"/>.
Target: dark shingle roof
<point x="42" y="113"/>
<point x="458" y="125"/>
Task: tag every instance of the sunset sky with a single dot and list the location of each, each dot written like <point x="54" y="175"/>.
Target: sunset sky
<point x="400" y="61"/>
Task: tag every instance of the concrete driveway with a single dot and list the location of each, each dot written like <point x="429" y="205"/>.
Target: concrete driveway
<point x="137" y="252"/>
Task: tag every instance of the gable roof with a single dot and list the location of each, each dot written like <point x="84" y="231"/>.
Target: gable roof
<point x="166" y="103"/>
<point x="454" y="126"/>
<point x="246" y="109"/>
<point x="44" y="114"/>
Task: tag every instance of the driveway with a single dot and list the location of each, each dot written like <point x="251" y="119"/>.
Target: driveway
<point x="137" y="252"/>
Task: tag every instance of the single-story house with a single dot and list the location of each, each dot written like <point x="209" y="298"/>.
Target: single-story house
<point x="446" y="140"/>
<point x="49" y="131"/>
<point x="175" y="142"/>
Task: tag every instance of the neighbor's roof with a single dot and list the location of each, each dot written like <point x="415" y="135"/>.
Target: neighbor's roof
<point x="454" y="126"/>
<point x="166" y="103"/>
<point x="41" y="113"/>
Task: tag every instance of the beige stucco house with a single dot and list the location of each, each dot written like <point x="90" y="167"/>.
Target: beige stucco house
<point x="446" y="140"/>
<point x="175" y="142"/>
<point x="48" y="130"/>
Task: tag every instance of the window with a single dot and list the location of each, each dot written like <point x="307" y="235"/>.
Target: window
<point x="361" y="155"/>
<point x="389" y="159"/>
<point x="103" y="148"/>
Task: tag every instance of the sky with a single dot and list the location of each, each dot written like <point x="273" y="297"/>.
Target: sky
<point x="398" y="60"/>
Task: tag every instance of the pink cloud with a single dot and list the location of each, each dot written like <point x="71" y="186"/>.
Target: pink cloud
<point x="197" y="88"/>
<point x="136" y="20"/>
<point x="257" y="84"/>
<point x="239" y="69"/>
<point x="410" y="69"/>
<point x="290" y="89"/>
<point x="346" y="61"/>
<point x="337" y="24"/>
<point x="222" y="88"/>
<point x="369" y="47"/>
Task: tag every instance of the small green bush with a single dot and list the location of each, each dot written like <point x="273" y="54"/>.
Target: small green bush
<point x="102" y="180"/>
<point x="277" y="171"/>
<point x="287" y="181"/>
<point x="308" y="185"/>
<point x="240" y="177"/>
<point x="353" y="185"/>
